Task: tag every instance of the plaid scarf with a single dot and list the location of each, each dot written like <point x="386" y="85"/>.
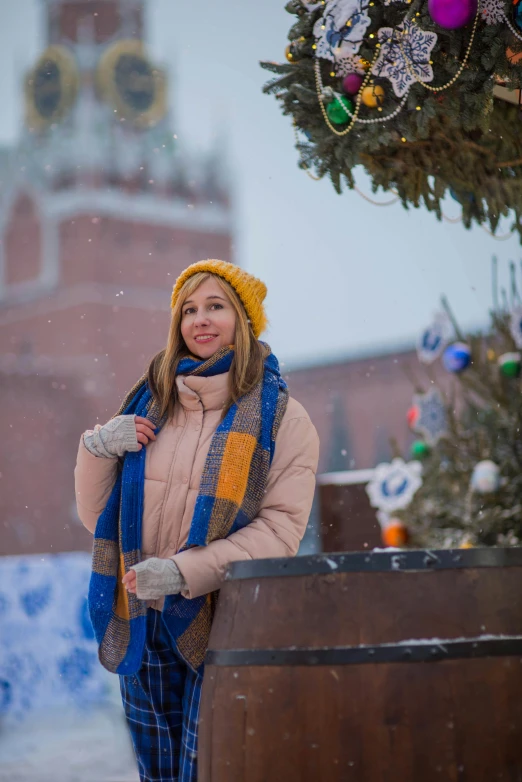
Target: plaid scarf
<point x="231" y="490"/>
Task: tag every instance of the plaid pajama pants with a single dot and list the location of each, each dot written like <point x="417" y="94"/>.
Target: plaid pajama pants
<point x="161" y="703"/>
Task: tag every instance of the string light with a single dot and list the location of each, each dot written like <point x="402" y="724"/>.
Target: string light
<point x="391" y="202"/>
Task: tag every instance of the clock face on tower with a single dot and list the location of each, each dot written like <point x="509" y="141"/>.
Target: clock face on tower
<point x="51" y="87"/>
<point x="131" y="84"/>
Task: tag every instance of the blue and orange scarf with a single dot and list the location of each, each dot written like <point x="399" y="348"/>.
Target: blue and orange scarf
<point x="231" y="490"/>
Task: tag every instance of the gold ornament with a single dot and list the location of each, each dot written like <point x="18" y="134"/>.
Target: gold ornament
<point x="512" y="56"/>
<point x="131" y="84"/>
<point x="51" y="88"/>
<point x="373" y="96"/>
<point x="289" y="53"/>
<point x="491" y="354"/>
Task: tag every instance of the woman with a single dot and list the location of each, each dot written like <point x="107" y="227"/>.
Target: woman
<point x="208" y="461"/>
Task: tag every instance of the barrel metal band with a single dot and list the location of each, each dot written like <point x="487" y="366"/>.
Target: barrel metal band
<point x="405" y="652"/>
<point x="376" y="562"/>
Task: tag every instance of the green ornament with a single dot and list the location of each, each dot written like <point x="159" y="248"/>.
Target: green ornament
<point x="420" y="449"/>
<point x="336" y="113"/>
<point x="509" y="364"/>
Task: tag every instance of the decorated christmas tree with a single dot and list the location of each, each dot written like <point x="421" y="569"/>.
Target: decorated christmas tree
<point x="464" y="485"/>
<point x="422" y="94"/>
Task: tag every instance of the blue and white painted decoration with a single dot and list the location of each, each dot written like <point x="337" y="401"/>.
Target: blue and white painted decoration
<point x="48" y="655"/>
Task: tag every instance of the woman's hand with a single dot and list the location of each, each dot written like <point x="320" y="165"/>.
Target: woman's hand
<point x="144" y="431"/>
<point x="154" y="578"/>
<point x="121" y="434"/>
<point x="129" y="581"/>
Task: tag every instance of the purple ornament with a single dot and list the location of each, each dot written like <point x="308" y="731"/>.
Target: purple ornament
<point x="352" y="83"/>
<point x="452" y="14"/>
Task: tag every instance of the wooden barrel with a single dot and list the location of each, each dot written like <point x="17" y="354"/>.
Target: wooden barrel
<point x="366" y="667"/>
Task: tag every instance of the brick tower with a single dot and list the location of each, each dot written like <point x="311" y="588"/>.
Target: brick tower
<point x="100" y="210"/>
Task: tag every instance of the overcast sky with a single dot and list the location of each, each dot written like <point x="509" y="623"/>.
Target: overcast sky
<point x="342" y="275"/>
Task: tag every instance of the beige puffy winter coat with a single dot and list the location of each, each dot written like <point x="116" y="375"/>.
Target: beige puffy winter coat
<point x="173" y="468"/>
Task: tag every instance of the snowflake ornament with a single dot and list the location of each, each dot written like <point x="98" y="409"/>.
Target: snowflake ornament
<point x="350" y="64"/>
<point x="515" y="326"/>
<point x="493" y="11"/>
<point x="434" y="338"/>
<point x="432" y="421"/>
<point x="393" y="485"/>
<point x="391" y="63"/>
<point x="340" y="30"/>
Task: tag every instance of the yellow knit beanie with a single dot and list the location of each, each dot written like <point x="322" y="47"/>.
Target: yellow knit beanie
<point x="250" y="290"/>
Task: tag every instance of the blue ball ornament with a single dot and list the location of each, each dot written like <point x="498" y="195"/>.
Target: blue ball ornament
<point x="517" y="15"/>
<point x="456" y="357"/>
<point x="461" y="197"/>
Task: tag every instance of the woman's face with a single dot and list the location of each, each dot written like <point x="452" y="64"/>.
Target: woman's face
<point x="208" y="320"/>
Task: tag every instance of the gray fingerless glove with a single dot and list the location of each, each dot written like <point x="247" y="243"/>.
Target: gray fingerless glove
<point x="113" y="438"/>
<point x="157" y="577"/>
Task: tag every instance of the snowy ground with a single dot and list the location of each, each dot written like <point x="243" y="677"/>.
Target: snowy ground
<point x="68" y="747"/>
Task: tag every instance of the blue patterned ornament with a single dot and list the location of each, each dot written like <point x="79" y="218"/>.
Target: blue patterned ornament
<point x="432" y="422"/>
<point x="340" y="30"/>
<point x="393" y="485"/>
<point x="515" y="326"/>
<point x="457" y="357"/>
<point x="434" y="338"/>
<point x="493" y="11"/>
<point x="391" y="62"/>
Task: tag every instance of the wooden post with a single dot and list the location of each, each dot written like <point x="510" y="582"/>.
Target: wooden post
<point x="348" y="521"/>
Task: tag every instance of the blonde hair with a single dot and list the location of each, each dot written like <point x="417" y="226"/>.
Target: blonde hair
<point x="247" y="366"/>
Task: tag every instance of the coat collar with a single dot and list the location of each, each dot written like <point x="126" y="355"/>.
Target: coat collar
<point x="196" y="391"/>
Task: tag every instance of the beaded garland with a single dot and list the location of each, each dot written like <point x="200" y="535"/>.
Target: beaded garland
<point x="353" y="118"/>
<point x="421" y="71"/>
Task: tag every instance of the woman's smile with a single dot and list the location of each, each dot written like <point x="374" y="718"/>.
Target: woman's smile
<point x="205" y="337"/>
<point x="208" y="320"/>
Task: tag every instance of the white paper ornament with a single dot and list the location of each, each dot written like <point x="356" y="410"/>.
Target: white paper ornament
<point x="349" y="64"/>
<point x="493" y="11"/>
<point x="393" y="485"/>
<point x="431" y="422"/>
<point x="434" y="338"/>
<point x="340" y="30"/>
<point x="417" y="45"/>
<point x="485" y="478"/>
